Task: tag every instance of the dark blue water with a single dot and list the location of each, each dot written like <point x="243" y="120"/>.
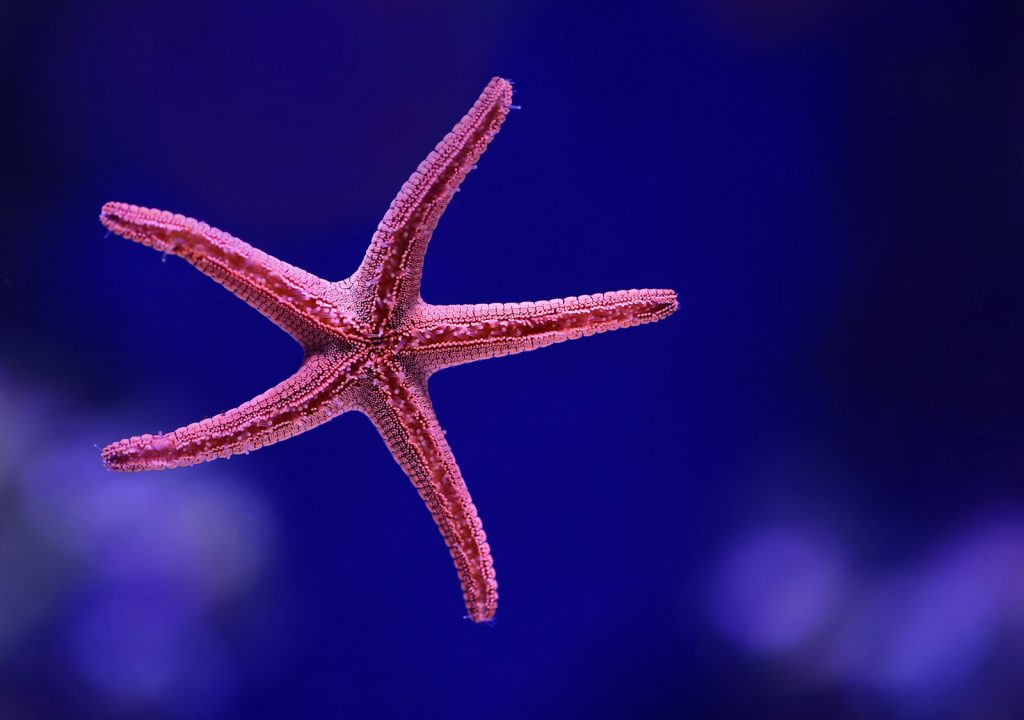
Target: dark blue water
<point x="798" y="497"/>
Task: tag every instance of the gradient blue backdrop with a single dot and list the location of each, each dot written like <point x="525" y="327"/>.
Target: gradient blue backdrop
<point x="707" y="517"/>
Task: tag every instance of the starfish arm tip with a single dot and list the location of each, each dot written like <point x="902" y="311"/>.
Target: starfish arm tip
<point x="503" y="83"/>
<point x="115" y="456"/>
<point x="482" y="616"/>
<point x="146" y="452"/>
<point x="503" y="88"/>
<point x="110" y="461"/>
<point x="111" y="214"/>
<point x="671" y="300"/>
<point x="138" y="224"/>
<point x="114" y="214"/>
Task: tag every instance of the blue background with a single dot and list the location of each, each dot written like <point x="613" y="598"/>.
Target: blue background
<point x="800" y="496"/>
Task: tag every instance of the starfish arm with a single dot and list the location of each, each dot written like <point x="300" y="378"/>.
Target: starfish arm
<point x="319" y="391"/>
<point x="447" y="335"/>
<point x="297" y="301"/>
<point x="388" y="280"/>
<point x="400" y="408"/>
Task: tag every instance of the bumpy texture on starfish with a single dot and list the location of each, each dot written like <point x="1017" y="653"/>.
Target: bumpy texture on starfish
<point x="371" y="342"/>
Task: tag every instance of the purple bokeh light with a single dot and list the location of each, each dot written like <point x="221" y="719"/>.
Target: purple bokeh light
<point x="776" y="589"/>
<point x="918" y="635"/>
<point x="121" y="576"/>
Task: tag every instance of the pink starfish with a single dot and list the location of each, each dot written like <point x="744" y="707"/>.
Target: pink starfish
<point x="371" y="342"/>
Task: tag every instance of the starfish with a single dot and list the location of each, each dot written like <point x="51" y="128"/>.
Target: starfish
<point x="371" y="342"/>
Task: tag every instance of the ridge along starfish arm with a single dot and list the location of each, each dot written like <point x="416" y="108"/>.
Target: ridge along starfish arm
<point x="371" y="342"/>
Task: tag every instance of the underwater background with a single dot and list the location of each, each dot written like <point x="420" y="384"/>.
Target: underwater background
<point x="800" y="496"/>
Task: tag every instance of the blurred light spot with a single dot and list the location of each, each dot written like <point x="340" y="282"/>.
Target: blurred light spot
<point x="129" y="649"/>
<point x="775" y="590"/>
<point x="32" y="581"/>
<point x="923" y="637"/>
<point x="208" y="535"/>
<point x="925" y="634"/>
<point x="143" y="647"/>
<point x="121" y="576"/>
